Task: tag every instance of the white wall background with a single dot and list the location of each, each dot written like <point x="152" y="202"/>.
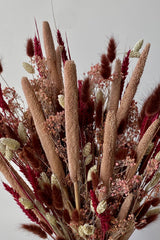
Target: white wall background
<point x="89" y="24"/>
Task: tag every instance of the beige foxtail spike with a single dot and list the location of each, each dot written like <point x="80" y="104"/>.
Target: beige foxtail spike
<point x="115" y="87"/>
<point x="51" y="58"/>
<point x="143" y="146"/>
<point x="45" y="138"/>
<point x="132" y="86"/>
<point x="107" y="164"/>
<point x="72" y="123"/>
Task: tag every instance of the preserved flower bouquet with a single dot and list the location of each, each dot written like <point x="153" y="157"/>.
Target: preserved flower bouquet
<point x="90" y="160"/>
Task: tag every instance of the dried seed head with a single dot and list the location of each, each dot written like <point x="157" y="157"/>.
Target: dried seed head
<point x="86" y="229"/>
<point x="28" y="67"/>
<point x="51" y="219"/>
<point x="30" y="47"/>
<point x="26" y="203"/>
<point x="61" y="100"/>
<point x="12" y="144"/>
<point x="101" y="206"/>
<point x="138" y="45"/>
<point x="86" y="150"/>
<point x="88" y="159"/>
<point x="22" y="132"/>
<point x="92" y="169"/>
<point x="134" y="54"/>
<point x="8" y="154"/>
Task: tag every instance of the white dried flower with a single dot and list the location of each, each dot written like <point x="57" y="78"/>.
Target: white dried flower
<point x="88" y="159"/>
<point x="2" y="148"/>
<point x="22" y="132"/>
<point x="26" y="203"/>
<point x="51" y="219"/>
<point x="92" y="169"/>
<point x="61" y="100"/>
<point x="101" y="206"/>
<point x="87" y="149"/>
<point x="138" y="45"/>
<point x="134" y="54"/>
<point x="88" y="229"/>
<point x="28" y="67"/>
<point x="12" y="144"/>
<point x="8" y="154"/>
<point x="44" y="177"/>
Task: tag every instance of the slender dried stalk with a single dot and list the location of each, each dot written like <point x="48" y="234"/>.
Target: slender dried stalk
<point x="115" y="88"/>
<point x="51" y="57"/>
<point x="143" y="146"/>
<point x="71" y="123"/>
<point x="107" y="164"/>
<point x="45" y="138"/>
<point x="124" y="210"/>
<point x="132" y="86"/>
<point x="59" y="50"/>
<point x="6" y="171"/>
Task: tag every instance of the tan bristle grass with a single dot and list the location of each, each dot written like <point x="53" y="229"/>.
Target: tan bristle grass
<point x="107" y="164"/>
<point x="132" y="86"/>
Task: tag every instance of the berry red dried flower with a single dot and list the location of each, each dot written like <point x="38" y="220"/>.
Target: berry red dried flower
<point x="105" y="67"/>
<point x="30" y="48"/>
<point x="35" y="229"/>
<point x="111" y="51"/>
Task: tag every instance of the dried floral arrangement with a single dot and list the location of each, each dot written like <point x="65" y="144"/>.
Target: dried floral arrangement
<point x="89" y="159"/>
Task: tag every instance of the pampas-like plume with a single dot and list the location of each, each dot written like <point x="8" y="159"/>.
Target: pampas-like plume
<point x="143" y="146"/>
<point x="45" y="138"/>
<point x="85" y="91"/>
<point x="152" y="104"/>
<point x="71" y="123"/>
<point x="115" y="89"/>
<point x="35" y="229"/>
<point x="107" y="164"/>
<point x="132" y="86"/>
<point x="57" y="197"/>
<point x="51" y="58"/>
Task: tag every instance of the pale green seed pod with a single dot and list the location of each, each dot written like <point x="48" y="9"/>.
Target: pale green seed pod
<point x="138" y="45"/>
<point x="8" y="154"/>
<point x="39" y="206"/>
<point x="153" y="182"/>
<point x="61" y="100"/>
<point x="157" y="157"/>
<point x="54" y="181"/>
<point x="92" y="169"/>
<point x="99" y="96"/>
<point x="88" y="229"/>
<point x="2" y="148"/>
<point x="91" y="207"/>
<point x="51" y="219"/>
<point x="12" y="144"/>
<point x="101" y="206"/>
<point x="134" y="54"/>
<point x="152" y="212"/>
<point x="88" y="159"/>
<point x="81" y="232"/>
<point x="87" y="149"/>
<point x="26" y="203"/>
<point x="28" y="67"/>
<point x="22" y="132"/>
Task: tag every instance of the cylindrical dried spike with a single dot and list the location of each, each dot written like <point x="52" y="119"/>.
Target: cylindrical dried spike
<point x="143" y="146"/>
<point x="51" y="57"/>
<point x="71" y="118"/>
<point x="107" y="164"/>
<point x="59" y="64"/>
<point x="125" y="207"/>
<point x="71" y="124"/>
<point x="45" y="138"/>
<point x="115" y="88"/>
<point x="132" y="86"/>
